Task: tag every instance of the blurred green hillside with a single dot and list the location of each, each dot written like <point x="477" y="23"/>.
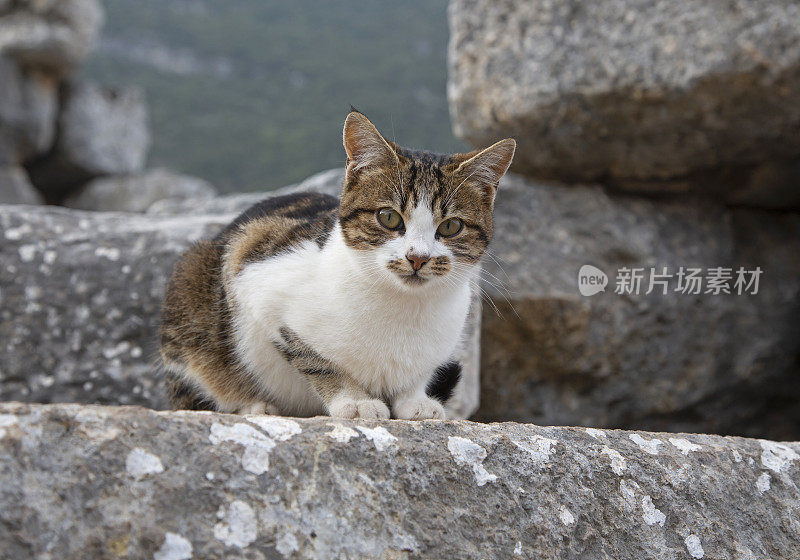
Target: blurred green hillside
<point x="251" y="94"/>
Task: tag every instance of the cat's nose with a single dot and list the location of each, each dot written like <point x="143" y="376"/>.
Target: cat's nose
<point x="417" y="259"/>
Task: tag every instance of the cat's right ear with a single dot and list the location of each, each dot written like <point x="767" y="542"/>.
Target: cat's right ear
<point x="365" y="146"/>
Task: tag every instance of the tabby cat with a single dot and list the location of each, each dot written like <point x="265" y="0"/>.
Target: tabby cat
<point x="308" y="305"/>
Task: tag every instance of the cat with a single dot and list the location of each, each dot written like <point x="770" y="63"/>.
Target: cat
<point x="308" y="305"/>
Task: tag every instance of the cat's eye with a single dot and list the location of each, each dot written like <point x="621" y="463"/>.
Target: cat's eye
<point x="449" y="227"/>
<point x="389" y="219"/>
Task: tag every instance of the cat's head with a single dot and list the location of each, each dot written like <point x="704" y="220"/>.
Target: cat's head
<point x="417" y="217"/>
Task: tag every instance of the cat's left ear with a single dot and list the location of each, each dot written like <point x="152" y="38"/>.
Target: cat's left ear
<point x="365" y="146"/>
<point x="488" y="166"/>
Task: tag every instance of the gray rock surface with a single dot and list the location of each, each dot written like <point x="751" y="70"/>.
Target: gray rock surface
<point x="675" y="362"/>
<point x="631" y="93"/>
<point x="80" y="482"/>
<point x="101" y="132"/>
<point x="28" y="107"/>
<point x="54" y="35"/>
<point x="327" y="182"/>
<point x="15" y="188"/>
<point x="80" y="297"/>
<point x="136" y="193"/>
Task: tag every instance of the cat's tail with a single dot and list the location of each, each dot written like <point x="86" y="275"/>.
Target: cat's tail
<point x="444" y="381"/>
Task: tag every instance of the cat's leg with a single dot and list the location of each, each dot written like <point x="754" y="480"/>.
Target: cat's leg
<point x="340" y="393"/>
<point x="425" y="401"/>
<point x="344" y="398"/>
<point x="416" y="405"/>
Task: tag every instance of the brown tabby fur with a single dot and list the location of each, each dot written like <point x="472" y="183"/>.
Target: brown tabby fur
<point x="196" y="315"/>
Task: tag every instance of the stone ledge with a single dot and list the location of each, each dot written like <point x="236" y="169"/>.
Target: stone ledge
<point x="79" y="481"/>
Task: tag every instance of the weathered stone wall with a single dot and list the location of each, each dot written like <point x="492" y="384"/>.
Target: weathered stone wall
<point x="81" y="295"/>
<point x="648" y="96"/>
<point x="722" y="363"/>
<point x="80" y="482"/>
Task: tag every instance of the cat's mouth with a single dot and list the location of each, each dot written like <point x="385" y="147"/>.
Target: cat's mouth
<point x="413" y="279"/>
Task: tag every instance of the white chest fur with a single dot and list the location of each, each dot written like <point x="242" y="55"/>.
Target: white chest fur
<point x="387" y="337"/>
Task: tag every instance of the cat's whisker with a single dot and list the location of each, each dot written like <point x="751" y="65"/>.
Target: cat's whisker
<point x="503" y="292"/>
<point x="485" y="296"/>
<point x="496" y="261"/>
<point x="498" y="283"/>
<point x="458" y="268"/>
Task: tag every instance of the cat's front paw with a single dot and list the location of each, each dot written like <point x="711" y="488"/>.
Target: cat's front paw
<point x="258" y="408"/>
<point x="373" y="409"/>
<point x="418" y="408"/>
